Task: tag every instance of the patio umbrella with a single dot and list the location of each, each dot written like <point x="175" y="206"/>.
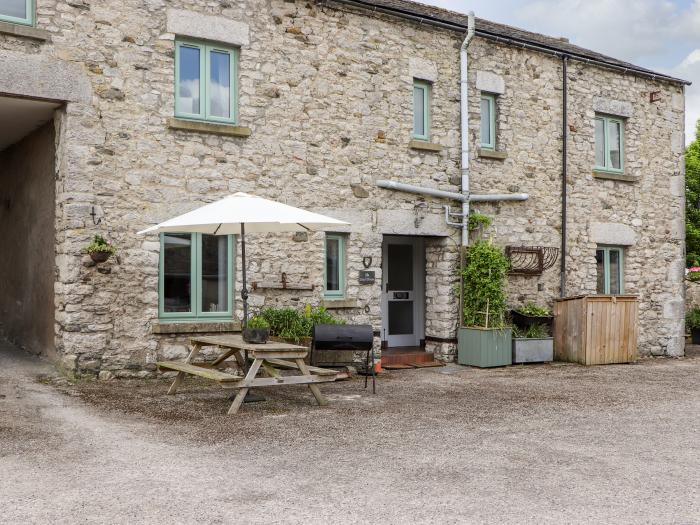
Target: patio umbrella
<point x="240" y="213"/>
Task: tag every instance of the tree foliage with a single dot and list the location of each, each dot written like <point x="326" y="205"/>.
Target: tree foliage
<point x="692" y="200"/>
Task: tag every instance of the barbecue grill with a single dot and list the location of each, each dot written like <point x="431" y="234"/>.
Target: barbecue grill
<point x="343" y="337"/>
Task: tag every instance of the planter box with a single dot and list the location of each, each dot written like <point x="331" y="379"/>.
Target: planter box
<point x="531" y="350"/>
<point x="596" y="329"/>
<point x="484" y="347"/>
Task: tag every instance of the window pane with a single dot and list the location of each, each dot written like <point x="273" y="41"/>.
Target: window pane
<point x="615" y="136"/>
<point x="332" y="265"/>
<point x="400" y="271"/>
<point x="600" y="269"/>
<point x="486" y="122"/>
<point x="14" y="8"/>
<point x="418" y="111"/>
<point x="188" y="83"/>
<point x="614" y="272"/>
<point x="220" y="84"/>
<point x="215" y="265"/>
<point x="177" y="278"/>
<point x="600" y="142"/>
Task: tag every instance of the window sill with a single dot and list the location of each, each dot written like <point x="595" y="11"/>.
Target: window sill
<point x="208" y="127"/>
<point x="609" y="175"/>
<point x="491" y="154"/>
<point x="336" y="304"/>
<point x="424" y="145"/>
<point x="194" y="327"/>
<point x="9" y="28"/>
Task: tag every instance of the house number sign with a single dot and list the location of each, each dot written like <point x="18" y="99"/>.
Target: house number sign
<point x="366" y="277"/>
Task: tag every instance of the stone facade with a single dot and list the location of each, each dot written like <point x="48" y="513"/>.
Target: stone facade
<point x="326" y="93"/>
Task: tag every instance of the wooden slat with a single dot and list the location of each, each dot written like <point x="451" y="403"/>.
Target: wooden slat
<point x="195" y="370"/>
<point x="281" y="363"/>
<point x="278" y="381"/>
<point x="236" y="341"/>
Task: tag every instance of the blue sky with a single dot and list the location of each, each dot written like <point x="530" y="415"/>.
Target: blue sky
<point x="663" y="35"/>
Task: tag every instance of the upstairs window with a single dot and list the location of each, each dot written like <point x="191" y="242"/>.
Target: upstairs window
<point x="17" y="11"/>
<point x="609" y="143"/>
<point x="488" y="121"/>
<point x="335" y="266"/>
<point x="421" y="110"/>
<point x="195" y="277"/>
<point x="609" y="267"/>
<point x="205" y="82"/>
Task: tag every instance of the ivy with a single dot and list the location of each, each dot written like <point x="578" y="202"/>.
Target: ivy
<point x="484" y="276"/>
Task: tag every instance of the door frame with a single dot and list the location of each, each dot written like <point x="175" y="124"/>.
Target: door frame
<point x="418" y="244"/>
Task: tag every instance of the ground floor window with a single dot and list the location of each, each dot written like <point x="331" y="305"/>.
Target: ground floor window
<point x="609" y="264"/>
<point x="195" y="277"/>
<point x="335" y="266"/>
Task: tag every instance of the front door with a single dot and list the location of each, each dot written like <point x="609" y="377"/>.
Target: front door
<point x="402" y="291"/>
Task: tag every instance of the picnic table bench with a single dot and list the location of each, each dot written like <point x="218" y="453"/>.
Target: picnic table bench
<point x="269" y="357"/>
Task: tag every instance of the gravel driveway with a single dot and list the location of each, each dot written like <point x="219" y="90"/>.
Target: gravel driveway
<point x="537" y="444"/>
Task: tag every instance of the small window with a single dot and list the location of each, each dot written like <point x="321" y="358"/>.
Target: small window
<point x="205" y="82"/>
<point x="195" y="277"/>
<point x="17" y="11"/>
<point x="488" y="121"/>
<point x="609" y="266"/>
<point x="335" y="265"/>
<point x="609" y="143"/>
<point x="421" y="110"/>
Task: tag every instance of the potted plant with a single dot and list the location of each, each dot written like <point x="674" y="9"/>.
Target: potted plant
<point x="484" y="340"/>
<point x="530" y="315"/>
<point x="692" y="322"/>
<point x="257" y="330"/>
<point x="99" y="249"/>
<point x="533" y="344"/>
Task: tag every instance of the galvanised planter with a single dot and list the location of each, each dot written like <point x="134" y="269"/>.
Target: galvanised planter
<point x="484" y="347"/>
<point x="533" y="350"/>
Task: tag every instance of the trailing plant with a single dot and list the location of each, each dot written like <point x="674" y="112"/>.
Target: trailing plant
<point x="535" y="331"/>
<point x="292" y="324"/>
<point x="692" y="318"/>
<point x="483" y="276"/>
<point x="100" y="245"/>
<point x="478" y="220"/>
<point x="532" y="310"/>
<point x="257" y="321"/>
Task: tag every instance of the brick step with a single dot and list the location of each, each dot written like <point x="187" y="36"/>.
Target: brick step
<point x="406" y="358"/>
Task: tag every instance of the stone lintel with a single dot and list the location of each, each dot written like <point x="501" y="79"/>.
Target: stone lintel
<point x="491" y="154"/>
<point x="615" y="176"/>
<point x="490" y="82"/>
<point x="613" y="233"/>
<point x="216" y="28"/>
<point x="195" y="327"/>
<point x="208" y="127"/>
<point x="422" y="69"/>
<point x="335" y="304"/>
<point x="424" y="145"/>
<point x="613" y="107"/>
<point x="34" y="33"/>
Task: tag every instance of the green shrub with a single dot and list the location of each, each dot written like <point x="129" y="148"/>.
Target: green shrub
<point x="692" y="318"/>
<point x="99" y="244"/>
<point x="257" y="321"/>
<point x="289" y="323"/>
<point x="693" y="276"/>
<point x="483" y="276"/>
<point x="533" y="310"/>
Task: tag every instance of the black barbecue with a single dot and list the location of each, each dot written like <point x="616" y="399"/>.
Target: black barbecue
<point x="358" y="337"/>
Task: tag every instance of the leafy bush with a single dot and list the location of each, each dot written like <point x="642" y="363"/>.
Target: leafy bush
<point x="692" y="318"/>
<point x="533" y="310"/>
<point x="98" y="245"/>
<point x="289" y="323"/>
<point x="693" y="276"/>
<point x="535" y="331"/>
<point x="484" y="274"/>
<point x="257" y="321"/>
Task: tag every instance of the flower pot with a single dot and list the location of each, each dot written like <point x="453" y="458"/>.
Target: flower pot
<point x="533" y="350"/>
<point x="484" y="347"/>
<point x="256" y="335"/>
<point x="526" y="321"/>
<point x="100" y="257"/>
<point x="695" y="335"/>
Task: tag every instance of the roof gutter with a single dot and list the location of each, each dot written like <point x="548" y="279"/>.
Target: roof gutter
<point x="506" y="40"/>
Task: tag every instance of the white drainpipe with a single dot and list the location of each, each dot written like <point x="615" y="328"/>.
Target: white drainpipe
<point x="464" y="124"/>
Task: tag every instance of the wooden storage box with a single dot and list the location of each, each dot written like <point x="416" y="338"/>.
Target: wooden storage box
<point x="596" y="329"/>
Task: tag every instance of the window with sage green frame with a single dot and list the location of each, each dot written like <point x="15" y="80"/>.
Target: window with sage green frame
<point x="421" y="110"/>
<point x="335" y="266"/>
<point x="609" y="143"/>
<point x="488" y="121"/>
<point x="610" y="270"/>
<point x="17" y="11"/>
<point x="195" y="277"/>
<point x="205" y="81"/>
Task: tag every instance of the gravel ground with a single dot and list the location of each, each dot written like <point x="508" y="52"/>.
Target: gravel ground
<point x="542" y="444"/>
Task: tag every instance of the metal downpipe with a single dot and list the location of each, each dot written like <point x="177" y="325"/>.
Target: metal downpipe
<point x="564" y="154"/>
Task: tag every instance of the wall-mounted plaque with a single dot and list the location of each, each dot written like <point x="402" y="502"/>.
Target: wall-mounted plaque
<point x="366" y="277"/>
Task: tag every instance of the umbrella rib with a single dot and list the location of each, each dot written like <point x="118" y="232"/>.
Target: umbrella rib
<point x="218" y="228"/>
<point x="307" y="229"/>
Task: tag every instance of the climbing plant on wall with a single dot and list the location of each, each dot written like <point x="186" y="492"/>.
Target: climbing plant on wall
<point x="692" y="200"/>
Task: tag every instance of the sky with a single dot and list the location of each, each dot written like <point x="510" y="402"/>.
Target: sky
<point x="663" y="35"/>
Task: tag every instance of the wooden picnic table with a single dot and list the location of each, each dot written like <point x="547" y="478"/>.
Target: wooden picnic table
<point x="269" y="357"/>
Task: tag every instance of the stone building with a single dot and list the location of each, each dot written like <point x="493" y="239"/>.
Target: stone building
<point x="117" y="115"/>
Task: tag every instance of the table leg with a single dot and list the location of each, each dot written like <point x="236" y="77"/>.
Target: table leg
<point x="181" y="375"/>
<point x="314" y="388"/>
<point x="252" y="372"/>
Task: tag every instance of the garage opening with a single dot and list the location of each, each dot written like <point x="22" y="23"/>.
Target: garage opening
<point x="27" y="218"/>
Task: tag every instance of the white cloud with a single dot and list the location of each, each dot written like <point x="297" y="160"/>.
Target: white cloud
<point x="689" y="69"/>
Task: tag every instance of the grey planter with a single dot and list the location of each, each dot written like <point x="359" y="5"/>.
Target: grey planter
<point x="531" y="350"/>
<point x="484" y="347"/>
